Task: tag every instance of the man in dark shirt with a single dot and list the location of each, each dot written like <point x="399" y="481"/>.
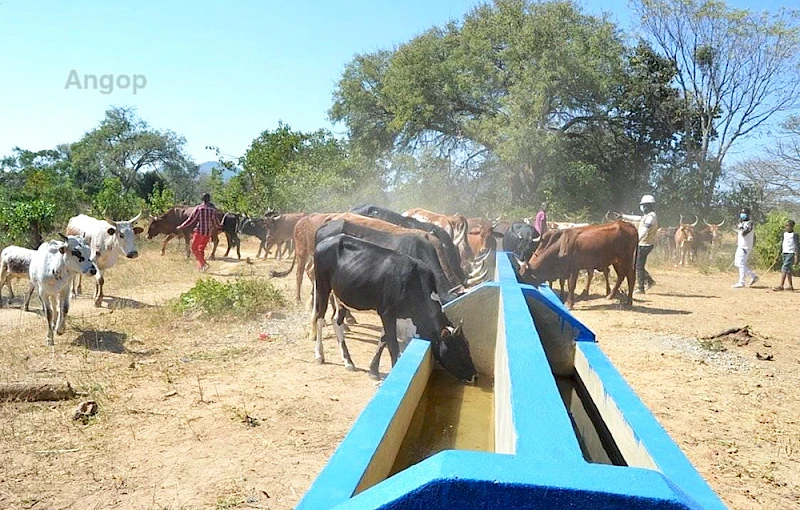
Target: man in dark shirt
<point x="204" y="219"/>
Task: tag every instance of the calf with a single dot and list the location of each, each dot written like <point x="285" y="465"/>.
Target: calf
<point x="365" y="276"/>
<point x="107" y="240"/>
<point x="52" y="268"/>
<point x="684" y="242"/>
<point x="15" y="262"/>
<point x="280" y="229"/>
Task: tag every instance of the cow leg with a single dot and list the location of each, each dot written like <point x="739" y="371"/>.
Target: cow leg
<point x="77" y="281"/>
<point x="573" y="282"/>
<point x="63" y="309"/>
<point x="31" y="288"/>
<point x="339" y="330"/>
<point x="98" y="293"/>
<point x="215" y="240"/>
<point x="228" y="250"/>
<point x="388" y="340"/>
<point x="279" y="250"/>
<point x="238" y="248"/>
<point x="47" y="306"/>
<point x="164" y="243"/>
<point x="260" y="247"/>
<point x="589" y="276"/>
<point x="620" y="275"/>
<point x="187" y="240"/>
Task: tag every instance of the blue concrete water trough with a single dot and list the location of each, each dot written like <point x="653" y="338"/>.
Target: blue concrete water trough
<point x="551" y="424"/>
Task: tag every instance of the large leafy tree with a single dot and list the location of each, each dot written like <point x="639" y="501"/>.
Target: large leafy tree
<point x="736" y="70"/>
<point x="511" y="81"/>
<point x="124" y="146"/>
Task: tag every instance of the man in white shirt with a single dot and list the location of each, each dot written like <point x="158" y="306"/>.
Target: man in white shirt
<point x="648" y="229"/>
<point x="745" y="240"/>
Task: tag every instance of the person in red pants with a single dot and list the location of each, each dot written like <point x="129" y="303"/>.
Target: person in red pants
<point x="204" y="219"/>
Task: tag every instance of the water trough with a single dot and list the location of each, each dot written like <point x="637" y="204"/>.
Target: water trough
<point x="551" y="423"/>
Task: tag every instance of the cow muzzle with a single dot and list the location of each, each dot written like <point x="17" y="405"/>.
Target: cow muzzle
<point x="132" y="255"/>
<point x="93" y="271"/>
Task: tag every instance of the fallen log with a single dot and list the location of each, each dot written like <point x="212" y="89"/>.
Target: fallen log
<point x="32" y="392"/>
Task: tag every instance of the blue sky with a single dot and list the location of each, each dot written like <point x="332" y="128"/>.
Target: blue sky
<point x="218" y="73"/>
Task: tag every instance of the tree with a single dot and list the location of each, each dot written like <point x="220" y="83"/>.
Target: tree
<point x="511" y="83"/>
<point x="124" y="146"/>
<point x="736" y="70"/>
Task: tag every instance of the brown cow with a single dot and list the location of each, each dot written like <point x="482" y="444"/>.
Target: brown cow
<point x="280" y="229"/>
<point x="167" y="224"/>
<point x="712" y="231"/>
<point x="456" y="228"/>
<point x="481" y="235"/>
<point x="684" y="241"/>
<point x="554" y="236"/>
<point x="305" y="242"/>
<point x="590" y="247"/>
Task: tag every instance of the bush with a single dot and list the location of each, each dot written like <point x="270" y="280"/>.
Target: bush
<point x="161" y="200"/>
<point x="112" y="202"/>
<point x="242" y="297"/>
<point x="24" y="223"/>
<point x="768" y="239"/>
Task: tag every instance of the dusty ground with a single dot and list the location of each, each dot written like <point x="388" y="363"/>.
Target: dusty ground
<point x="197" y="414"/>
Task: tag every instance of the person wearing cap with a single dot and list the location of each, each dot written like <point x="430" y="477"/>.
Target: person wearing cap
<point x="745" y="240"/>
<point x="204" y="219"/>
<point x="648" y="229"/>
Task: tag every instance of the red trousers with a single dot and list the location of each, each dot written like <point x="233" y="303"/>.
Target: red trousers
<point x="199" y="243"/>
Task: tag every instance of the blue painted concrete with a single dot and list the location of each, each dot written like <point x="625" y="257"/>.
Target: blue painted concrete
<point x="547" y="469"/>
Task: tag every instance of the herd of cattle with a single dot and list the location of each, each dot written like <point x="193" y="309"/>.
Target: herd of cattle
<point x="404" y="266"/>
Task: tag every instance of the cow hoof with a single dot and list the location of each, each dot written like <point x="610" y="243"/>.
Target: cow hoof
<point x="350" y="320"/>
<point x="98" y="303"/>
<point x="374" y="375"/>
<point x="350" y="367"/>
<point x="320" y="361"/>
<point x="48" y="341"/>
<point x="345" y="328"/>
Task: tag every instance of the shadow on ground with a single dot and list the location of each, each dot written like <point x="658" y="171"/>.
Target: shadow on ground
<point x="96" y="340"/>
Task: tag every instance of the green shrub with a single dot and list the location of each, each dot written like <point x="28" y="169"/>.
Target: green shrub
<point x="768" y="239"/>
<point x="25" y="223"/>
<point x="241" y="297"/>
<point x="112" y="202"/>
<point x="161" y="200"/>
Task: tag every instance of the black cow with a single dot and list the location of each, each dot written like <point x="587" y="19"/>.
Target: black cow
<point x="255" y="227"/>
<point x="521" y="239"/>
<point x="365" y="276"/>
<point x="382" y="213"/>
<point x="230" y="224"/>
<point x="412" y="245"/>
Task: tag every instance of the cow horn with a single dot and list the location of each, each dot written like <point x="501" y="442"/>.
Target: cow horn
<point x="109" y="220"/>
<point x="536" y="240"/>
<point x="607" y="216"/>
<point x="707" y="223"/>
<point x="723" y="222"/>
<point x="476" y="269"/>
<point x="151" y="215"/>
<point x="680" y="221"/>
<point x="276" y="217"/>
<point x="136" y="218"/>
<point x="477" y="279"/>
<point x="527" y="221"/>
<point x="696" y="219"/>
<point x="481" y="258"/>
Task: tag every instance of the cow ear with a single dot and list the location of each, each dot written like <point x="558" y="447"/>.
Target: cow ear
<point x="62" y="250"/>
<point x="137" y="230"/>
<point x="111" y="231"/>
<point x="445" y="333"/>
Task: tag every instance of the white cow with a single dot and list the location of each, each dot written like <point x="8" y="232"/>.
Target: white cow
<point x="52" y="269"/>
<point x="15" y="262"/>
<point x="107" y="239"/>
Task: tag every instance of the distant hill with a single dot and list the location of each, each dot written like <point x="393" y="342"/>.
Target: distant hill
<point x="205" y="169"/>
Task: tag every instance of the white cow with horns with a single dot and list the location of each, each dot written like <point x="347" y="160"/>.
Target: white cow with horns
<point x="107" y="239"/>
<point x="52" y="268"/>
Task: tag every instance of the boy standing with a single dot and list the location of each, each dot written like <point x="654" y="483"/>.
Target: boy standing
<point x="790" y="249"/>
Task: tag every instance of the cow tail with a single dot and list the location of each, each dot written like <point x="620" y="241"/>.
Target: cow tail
<point x="281" y="274"/>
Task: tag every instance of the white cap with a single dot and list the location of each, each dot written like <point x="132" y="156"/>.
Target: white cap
<point x="647" y="199"/>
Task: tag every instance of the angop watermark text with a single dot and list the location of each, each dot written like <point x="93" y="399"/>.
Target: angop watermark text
<point x="106" y="83"/>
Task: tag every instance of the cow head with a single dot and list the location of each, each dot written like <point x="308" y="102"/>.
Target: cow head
<point x="77" y="254"/>
<point x="252" y="226"/>
<point x="123" y="233"/>
<point x="685" y="232"/>
<point x="713" y="229"/>
<point x="548" y="261"/>
<point x="452" y="352"/>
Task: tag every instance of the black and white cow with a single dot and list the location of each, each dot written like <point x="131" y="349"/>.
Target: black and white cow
<point x="365" y="276"/>
<point x="52" y="269"/>
<point x="15" y="262"/>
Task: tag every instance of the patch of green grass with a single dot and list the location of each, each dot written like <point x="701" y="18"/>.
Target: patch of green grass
<point x="230" y="501"/>
<point x="246" y="297"/>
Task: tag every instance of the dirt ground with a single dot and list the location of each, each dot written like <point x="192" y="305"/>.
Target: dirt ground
<point x="236" y="414"/>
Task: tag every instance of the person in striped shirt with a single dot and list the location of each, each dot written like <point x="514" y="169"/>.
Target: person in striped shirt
<point x="204" y="220"/>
